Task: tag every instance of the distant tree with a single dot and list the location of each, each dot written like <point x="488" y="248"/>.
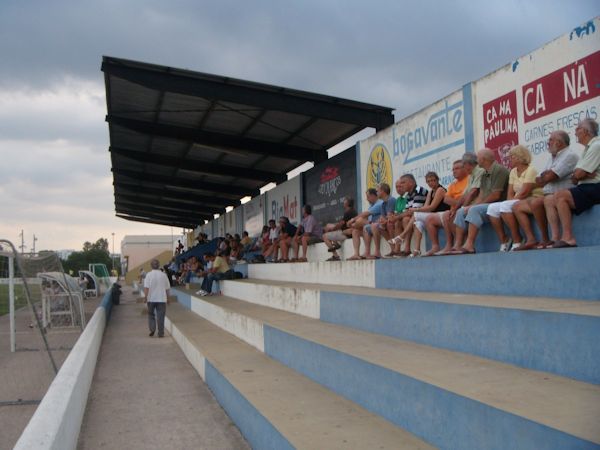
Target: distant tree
<point x="92" y="253"/>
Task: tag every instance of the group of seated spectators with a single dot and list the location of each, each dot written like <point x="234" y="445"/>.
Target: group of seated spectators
<point x="483" y="192"/>
<point x="277" y="239"/>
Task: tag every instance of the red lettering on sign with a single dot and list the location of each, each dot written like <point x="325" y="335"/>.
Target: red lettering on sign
<point x="500" y="128"/>
<point x="562" y="88"/>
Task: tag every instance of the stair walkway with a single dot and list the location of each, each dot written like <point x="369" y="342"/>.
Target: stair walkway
<point x="446" y="369"/>
<point x="145" y="394"/>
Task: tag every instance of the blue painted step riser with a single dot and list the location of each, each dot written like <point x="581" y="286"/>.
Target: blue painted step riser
<point x="585" y="229"/>
<point x="257" y="430"/>
<point x="440" y="417"/>
<point x="564" y="344"/>
<point x="563" y="273"/>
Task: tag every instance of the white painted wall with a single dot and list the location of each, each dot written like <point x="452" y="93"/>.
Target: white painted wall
<point x="57" y="420"/>
<point x="550" y="89"/>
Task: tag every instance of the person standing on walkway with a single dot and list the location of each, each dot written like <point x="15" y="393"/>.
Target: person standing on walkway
<point x="156" y="290"/>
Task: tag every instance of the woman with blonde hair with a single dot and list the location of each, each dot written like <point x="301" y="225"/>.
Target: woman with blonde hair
<point x="521" y="185"/>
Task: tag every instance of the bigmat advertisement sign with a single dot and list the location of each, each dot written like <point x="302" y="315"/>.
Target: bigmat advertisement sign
<point x="327" y="184"/>
<point x="284" y="200"/>
<point x="430" y="140"/>
<point x="552" y="88"/>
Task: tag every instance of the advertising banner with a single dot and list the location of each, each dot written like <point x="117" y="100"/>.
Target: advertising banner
<point x="254" y="215"/>
<point x="552" y="88"/>
<point x="327" y="184"/>
<point x="430" y="140"/>
<point x="230" y="222"/>
<point x="284" y="200"/>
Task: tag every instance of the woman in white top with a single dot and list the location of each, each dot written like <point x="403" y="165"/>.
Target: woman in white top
<point x="521" y="185"/>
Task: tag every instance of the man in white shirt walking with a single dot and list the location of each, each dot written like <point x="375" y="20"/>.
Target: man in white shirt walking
<point x="156" y="290"/>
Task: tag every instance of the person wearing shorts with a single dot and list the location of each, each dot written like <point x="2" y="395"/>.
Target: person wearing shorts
<point x="586" y="193"/>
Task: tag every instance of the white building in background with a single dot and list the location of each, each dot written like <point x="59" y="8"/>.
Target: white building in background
<point x="136" y="250"/>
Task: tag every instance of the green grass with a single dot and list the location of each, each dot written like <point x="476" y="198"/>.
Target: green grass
<point x="20" y="298"/>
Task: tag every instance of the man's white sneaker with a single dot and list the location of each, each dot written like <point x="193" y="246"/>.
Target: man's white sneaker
<point x="515" y="246"/>
<point x="505" y="246"/>
<point x="202" y="293"/>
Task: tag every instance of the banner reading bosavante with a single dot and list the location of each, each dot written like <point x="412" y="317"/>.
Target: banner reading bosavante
<point x="429" y="140"/>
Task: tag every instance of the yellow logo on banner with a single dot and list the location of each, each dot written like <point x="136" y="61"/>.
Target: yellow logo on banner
<point x="379" y="167"/>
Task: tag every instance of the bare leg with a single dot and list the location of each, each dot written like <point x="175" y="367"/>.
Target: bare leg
<point x="511" y="223"/>
<point x="471" y="236"/>
<point x="356" y="233"/>
<point x="432" y="224"/>
<point x="498" y="228"/>
<point x="564" y="205"/>
<point x="377" y="239"/>
<point x="537" y="208"/>
<point x="305" y="245"/>
<point x="552" y="216"/>
<point x="408" y="231"/>
<point x="521" y="211"/>
<point x="367" y="239"/>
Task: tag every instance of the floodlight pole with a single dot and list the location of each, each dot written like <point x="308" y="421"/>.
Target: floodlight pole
<point x="112" y="257"/>
<point x="11" y="296"/>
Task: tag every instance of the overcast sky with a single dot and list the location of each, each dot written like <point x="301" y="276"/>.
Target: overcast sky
<point x="55" y="179"/>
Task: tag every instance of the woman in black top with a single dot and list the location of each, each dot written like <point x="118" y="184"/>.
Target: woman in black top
<point x="433" y="203"/>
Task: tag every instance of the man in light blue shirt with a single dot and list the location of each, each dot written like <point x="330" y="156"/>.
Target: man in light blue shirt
<point x="371" y="215"/>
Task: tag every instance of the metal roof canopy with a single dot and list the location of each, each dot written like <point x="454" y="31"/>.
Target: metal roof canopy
<point x="184" y="145"/>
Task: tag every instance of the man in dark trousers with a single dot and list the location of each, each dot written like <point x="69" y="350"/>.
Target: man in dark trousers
<point x="156" y="290"/>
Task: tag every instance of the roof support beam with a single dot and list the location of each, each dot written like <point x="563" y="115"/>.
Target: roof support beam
<point x="217" y="140"/>
<point x="166" y="193"/>
<point x="199" y="166"/>
<point x="174" y="207"/>
<point x="189" y="208"/>
<point x="262" y="96"/>
<point x="196" y="185"/>
<point x="167" y="223"/>
<point x="162" y="215"/>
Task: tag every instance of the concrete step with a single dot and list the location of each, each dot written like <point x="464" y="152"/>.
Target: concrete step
<point x="548" y="334"/>
<point x="450" y="399"/>
<point x="561" y="273"/>
<point x="274" y="406"/>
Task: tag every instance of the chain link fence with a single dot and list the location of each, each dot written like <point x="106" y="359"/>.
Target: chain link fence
<point x="42" y="314"/>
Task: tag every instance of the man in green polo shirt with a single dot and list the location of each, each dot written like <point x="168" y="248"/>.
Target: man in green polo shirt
<point x="494" y="184"/>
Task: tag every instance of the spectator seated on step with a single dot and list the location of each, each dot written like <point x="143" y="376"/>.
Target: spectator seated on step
<point x="246" y="242"/>
<point x="235" y="253"/>
<point x="435" y="221"/>
<point x="434" y="204"/>
<point x="365" y="218"/>
<point x="469" y="219"/>
<point x="339" y="231"/>
<point x="469" y="195"/>
<point x="270" y="241"/>
<point x="379" y="228"/>
<point x="415" y="197"/>
<point x="219" y="270"/>
<point x="286" y="233"/>
<point x="556" y="175"/>
<point x="521" y="187"/>
<point x="309" y="232"/>
<point x="585" y="194"/>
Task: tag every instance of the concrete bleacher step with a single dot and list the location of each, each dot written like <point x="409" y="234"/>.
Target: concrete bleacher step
<point x="450" y="399"/>
<point x="553" y="335"/>
<point x="561" y="273"/>
<point x="274" y="406"/>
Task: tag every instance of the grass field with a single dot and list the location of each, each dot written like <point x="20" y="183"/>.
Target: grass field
<point x="20" y="298"/>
